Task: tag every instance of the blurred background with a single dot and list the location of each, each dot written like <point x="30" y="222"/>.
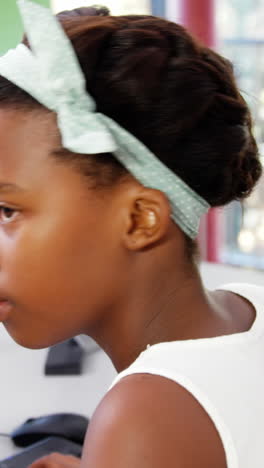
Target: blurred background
<point x="234" y="235"/>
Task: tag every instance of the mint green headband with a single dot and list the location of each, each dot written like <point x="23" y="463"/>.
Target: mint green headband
<point x="52" y="75"/>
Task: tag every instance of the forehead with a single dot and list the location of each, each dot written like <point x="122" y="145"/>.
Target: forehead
<point x="36" y="126"/>
<point x="26" y="139"/>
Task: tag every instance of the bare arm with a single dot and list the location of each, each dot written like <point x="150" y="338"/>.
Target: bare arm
<point x="148" y="421"/>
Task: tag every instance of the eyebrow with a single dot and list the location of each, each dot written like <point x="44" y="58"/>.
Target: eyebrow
<point x="7" y="187"/>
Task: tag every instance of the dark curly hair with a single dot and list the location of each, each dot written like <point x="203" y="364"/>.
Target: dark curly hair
<point x="94" y="10"/>
<point x="174" y="94"/>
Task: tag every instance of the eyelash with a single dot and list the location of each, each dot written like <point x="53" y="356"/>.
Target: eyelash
<point x="9" y="210"/>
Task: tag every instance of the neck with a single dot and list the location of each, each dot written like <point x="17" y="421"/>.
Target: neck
<point x="167" y="303"/>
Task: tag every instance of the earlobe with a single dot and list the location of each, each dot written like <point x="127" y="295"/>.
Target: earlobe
<point x="149" y="220"/>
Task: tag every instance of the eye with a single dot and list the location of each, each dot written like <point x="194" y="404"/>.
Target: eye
<point x="7" y="214"/>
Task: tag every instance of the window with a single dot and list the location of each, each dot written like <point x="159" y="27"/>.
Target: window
<point x="240" y="29"/>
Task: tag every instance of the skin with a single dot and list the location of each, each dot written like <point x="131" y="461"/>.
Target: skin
<point x="112" y="264"/>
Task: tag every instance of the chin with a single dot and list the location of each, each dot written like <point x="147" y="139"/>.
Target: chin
<point x="32" y="340"/>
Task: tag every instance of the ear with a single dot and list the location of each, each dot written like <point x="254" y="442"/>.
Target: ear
<point x="149" y="219"/>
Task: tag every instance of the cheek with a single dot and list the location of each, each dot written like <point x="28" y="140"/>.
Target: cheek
<point x="60" y="279"/>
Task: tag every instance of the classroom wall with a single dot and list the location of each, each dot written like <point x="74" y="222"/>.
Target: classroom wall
<point x="11" y="29"/>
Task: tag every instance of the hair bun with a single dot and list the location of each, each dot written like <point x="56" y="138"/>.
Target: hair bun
<point x="101" y="10"/>
<point x="94" y="10"/>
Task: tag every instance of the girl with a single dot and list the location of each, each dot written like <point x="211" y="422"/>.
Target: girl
<point x="97" y="229"/>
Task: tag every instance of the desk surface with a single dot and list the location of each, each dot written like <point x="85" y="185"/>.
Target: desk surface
<point x="25" y="391"/>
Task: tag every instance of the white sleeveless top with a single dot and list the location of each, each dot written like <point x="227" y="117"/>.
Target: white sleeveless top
<point x="226" y="375"/>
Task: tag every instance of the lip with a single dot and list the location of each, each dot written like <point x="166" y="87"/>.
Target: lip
<point x="5" y="307"/>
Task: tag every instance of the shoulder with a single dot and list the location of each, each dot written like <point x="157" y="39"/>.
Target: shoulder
<point x="149" y="421"/>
